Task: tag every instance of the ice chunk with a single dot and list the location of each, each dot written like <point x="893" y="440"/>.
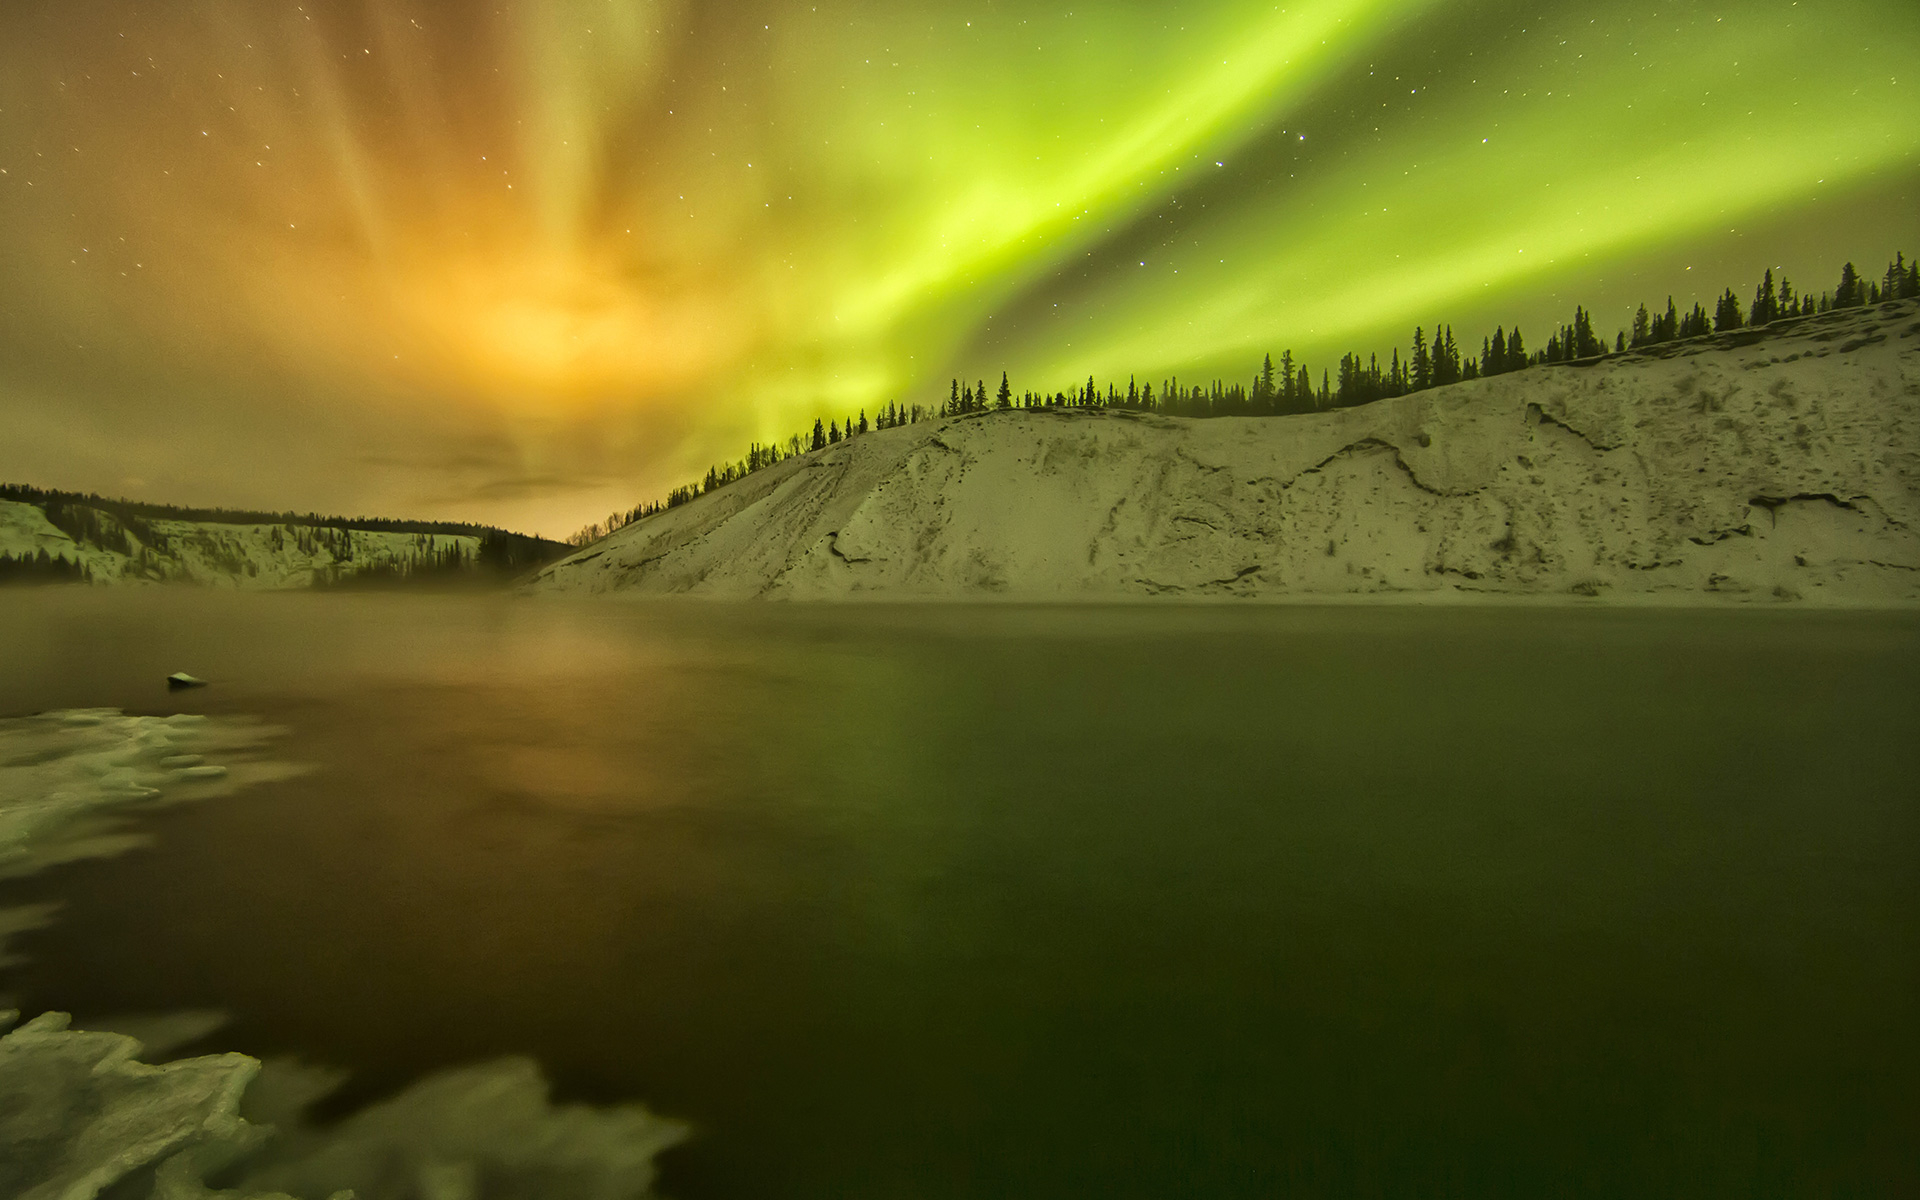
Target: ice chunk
<point x="79" y="1115"/>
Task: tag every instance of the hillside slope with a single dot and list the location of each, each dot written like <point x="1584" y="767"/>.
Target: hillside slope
<point x="1779" y="464"/>
<point x="110" y="542"/>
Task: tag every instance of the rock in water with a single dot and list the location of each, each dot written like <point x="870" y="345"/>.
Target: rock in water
<point x="180" y="679"/>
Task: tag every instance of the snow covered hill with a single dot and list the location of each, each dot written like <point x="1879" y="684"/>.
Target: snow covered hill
<point x="1776" y="465"/>
<point x="108" y="543"/>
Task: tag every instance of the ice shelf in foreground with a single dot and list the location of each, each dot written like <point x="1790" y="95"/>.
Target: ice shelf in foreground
<point x="81" y="1116"/>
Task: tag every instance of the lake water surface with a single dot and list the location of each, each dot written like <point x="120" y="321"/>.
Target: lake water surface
<point x="1014" y="902"/>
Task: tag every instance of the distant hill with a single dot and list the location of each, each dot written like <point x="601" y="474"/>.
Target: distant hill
<point x="52" y="536"/>
<point x="1779" y="464"/>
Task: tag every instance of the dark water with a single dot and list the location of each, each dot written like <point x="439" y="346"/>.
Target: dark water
<point x="931" y="902"/>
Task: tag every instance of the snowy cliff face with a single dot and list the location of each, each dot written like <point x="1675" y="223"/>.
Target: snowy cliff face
<point x="1773" y="465"/>
<point x="264" y="556"/>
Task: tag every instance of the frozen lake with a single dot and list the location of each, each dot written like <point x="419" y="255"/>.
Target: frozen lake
<point x="1118" y="902"/>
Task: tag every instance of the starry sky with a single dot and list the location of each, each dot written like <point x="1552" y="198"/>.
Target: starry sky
<point x="529" y="262"/>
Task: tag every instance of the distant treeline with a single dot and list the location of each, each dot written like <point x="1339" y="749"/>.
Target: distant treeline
<point x="1287" y="387"/>
<point x="82" y="517"/>
<point x="41" y="567"/>
<point x="427" y="564"/>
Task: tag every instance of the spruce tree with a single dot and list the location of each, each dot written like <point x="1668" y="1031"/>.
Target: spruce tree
<point x="1446" y="358"/>
<point x="1422" y="362"/>
<point x="1849" y="294"/>
<point x="1006" y="392"/>
<point x="1727" y="313"/>
<point x="819" y="441"/>
<point x="1765" y="309"/>
<point x="1516" y="351"/>
<point x="1585" y="344"/>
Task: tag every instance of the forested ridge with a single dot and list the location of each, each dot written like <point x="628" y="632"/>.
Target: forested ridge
<point x="131" y="529"/>
<point x="1286" y="386"/>
<point x="124" y="509"/>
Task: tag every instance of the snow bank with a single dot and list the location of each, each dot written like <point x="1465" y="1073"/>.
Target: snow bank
<point x="1777" y="465"/>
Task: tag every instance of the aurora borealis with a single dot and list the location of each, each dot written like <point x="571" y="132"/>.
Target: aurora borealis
<point x="530" y="262"/>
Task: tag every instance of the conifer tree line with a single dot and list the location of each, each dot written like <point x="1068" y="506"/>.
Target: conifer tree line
<point x="84" y="517"/>
<point x="41" y="567"/>
<point x="431" y="550"/>
<point x="1287" y="387"/>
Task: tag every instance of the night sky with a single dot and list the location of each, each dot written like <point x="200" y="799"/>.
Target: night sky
<point x="530" y="262"/>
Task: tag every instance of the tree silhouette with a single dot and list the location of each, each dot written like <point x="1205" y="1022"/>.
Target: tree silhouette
<point x="1585" y="344"/>
<point x="1422" y="362"/>
<point x="1766" y="307"/>
<point x="1849" y="293"/>
<point x="1893" y="286"/>
<point x="1727" y="313"/>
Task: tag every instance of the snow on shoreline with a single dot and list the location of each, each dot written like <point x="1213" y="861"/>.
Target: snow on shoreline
<point x="1771" y="466"/>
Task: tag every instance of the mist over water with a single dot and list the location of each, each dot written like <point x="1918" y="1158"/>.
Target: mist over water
<point x="1000" y="901"/>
